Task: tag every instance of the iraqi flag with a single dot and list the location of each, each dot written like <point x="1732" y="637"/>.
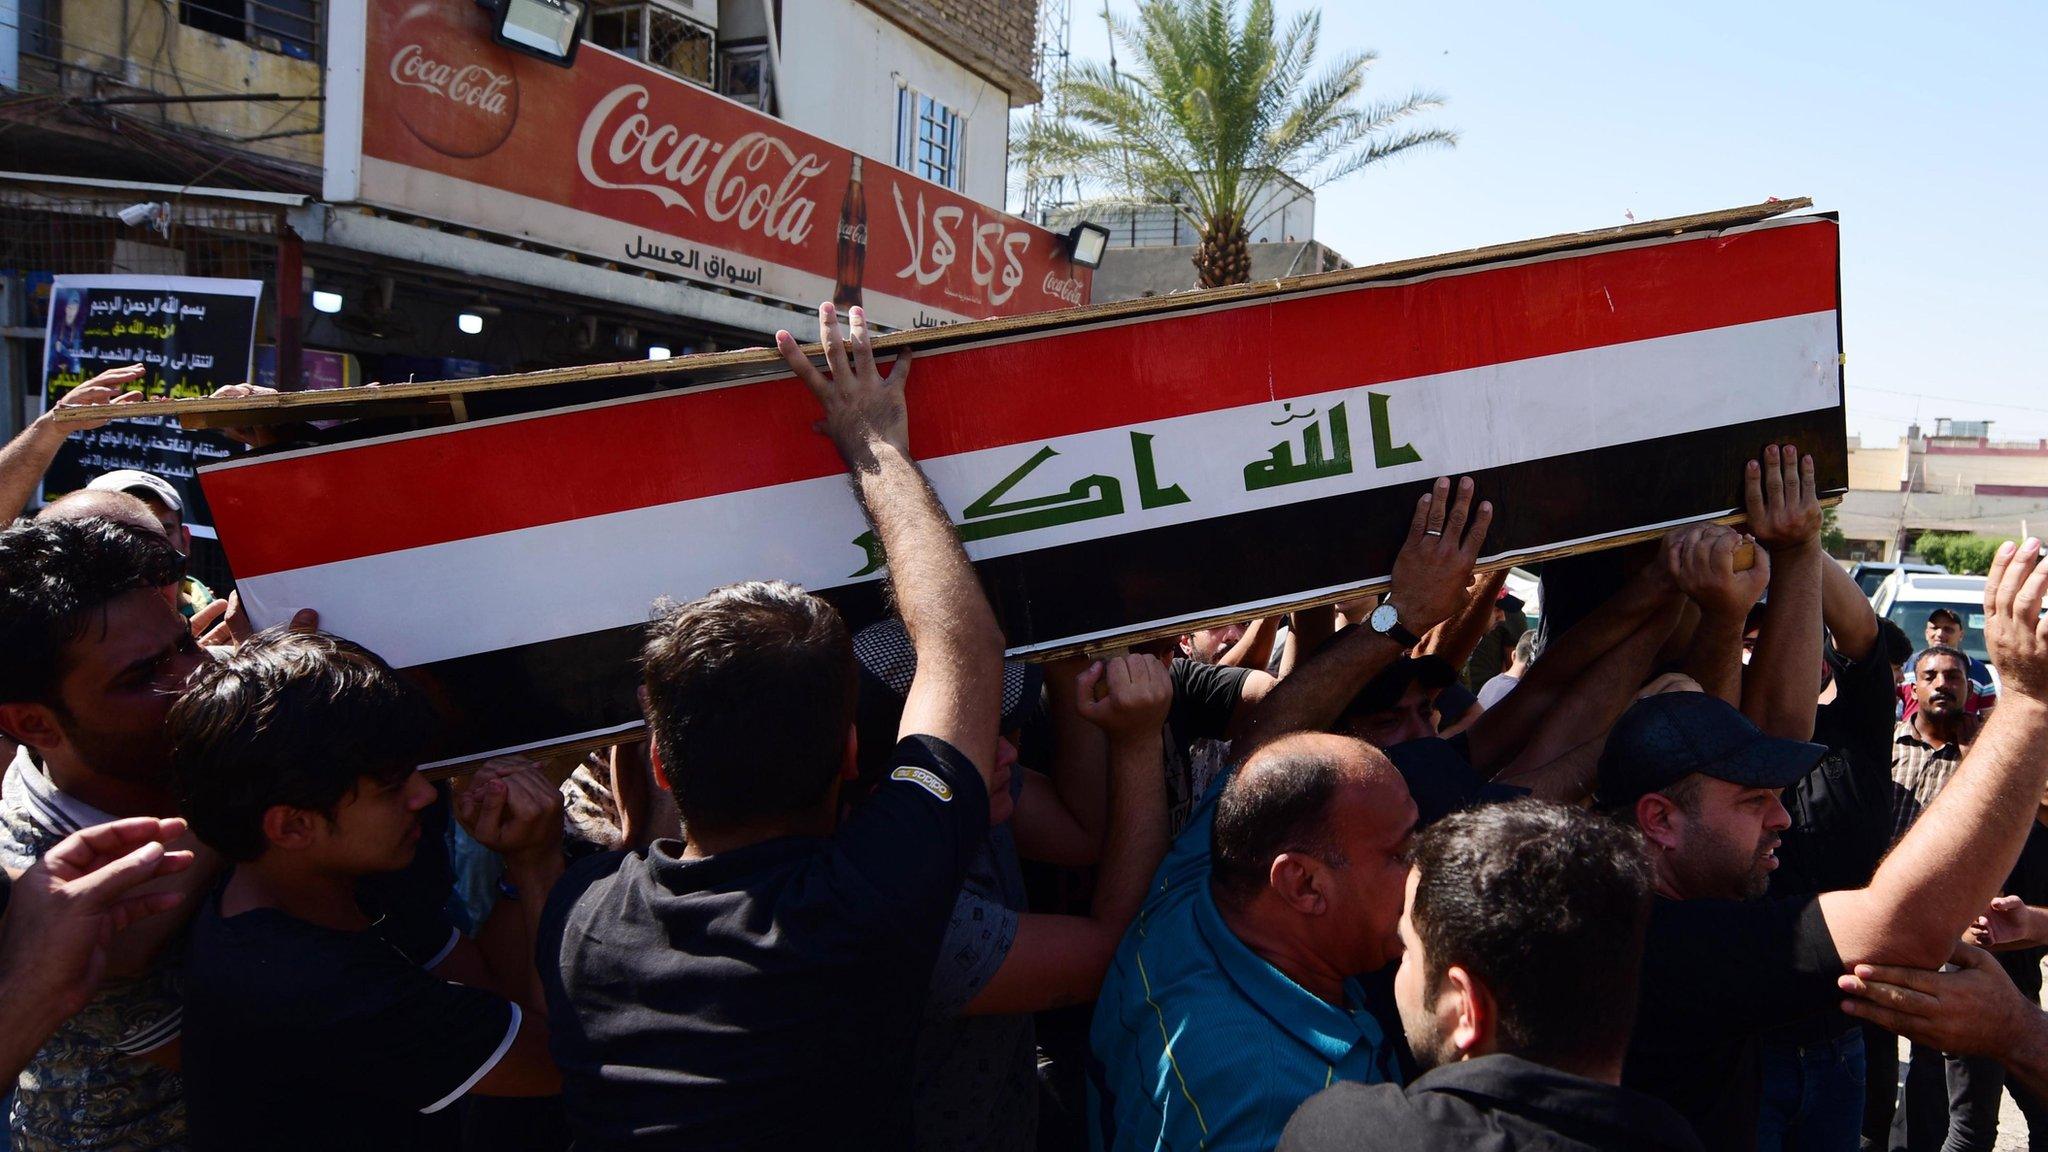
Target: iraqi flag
<point x="1112" y="477"/>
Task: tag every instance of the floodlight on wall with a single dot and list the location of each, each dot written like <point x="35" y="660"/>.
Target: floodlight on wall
<point x="470" y="322"/>
<point x="328" y="302"/>
<point x="659" y="352"/>
<point x="549" y="30"/>
<point x="1086" y="242"/>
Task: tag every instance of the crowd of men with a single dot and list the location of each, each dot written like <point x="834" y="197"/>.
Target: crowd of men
<point x="1674" y="872"/>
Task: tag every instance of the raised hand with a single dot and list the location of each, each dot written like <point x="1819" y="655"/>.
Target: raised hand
<point x="2014" y="633"/>
<point x="860" y="403"/>
<point x="1782" y="501"/>
<point x="1126" y="696"/>
<point x="1434" y="566"/>
<point x="109" y="387"/>
<point x="64" y="911"/>
<point x="509" y="807"/>
<point x="1704" y="561"/>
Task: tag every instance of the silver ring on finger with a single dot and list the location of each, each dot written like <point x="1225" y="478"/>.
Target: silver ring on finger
<point x="1432" y="531"/>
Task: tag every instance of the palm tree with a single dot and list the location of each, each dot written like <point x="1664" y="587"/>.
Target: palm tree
<point x="1219" y="108"/>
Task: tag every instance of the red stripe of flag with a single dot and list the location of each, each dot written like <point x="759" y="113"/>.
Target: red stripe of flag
<point x="375" y="498"/>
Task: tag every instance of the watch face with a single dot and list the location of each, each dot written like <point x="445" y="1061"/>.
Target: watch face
<point x="1384" y="619"/>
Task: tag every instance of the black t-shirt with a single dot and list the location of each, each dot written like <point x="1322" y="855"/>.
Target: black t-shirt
<point x="1716" y="975"/>
<point x="1495" y="1103"/>
<point x="304" y="1037"/>
<point x="1204" y="700"/>
<point x="1842" y="809"/>
<point x="766" y="997"/>
<point x="2029" y="882"/>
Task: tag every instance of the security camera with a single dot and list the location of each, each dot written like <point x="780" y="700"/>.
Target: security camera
<point x="136" y="215"/>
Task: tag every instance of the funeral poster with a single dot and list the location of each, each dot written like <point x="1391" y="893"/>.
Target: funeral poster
<point x="192" y="334"/>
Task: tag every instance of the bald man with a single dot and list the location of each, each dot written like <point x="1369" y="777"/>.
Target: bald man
<point x="120" y="507"/>
<point x="1234" y="997"/>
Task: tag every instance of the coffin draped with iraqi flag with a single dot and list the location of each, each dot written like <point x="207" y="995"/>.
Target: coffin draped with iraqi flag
<point x="1114" y="474"/>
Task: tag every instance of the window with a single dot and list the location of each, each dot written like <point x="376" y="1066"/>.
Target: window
<point x="743" y="75"/>
<point x="656" y="34"/>
<point x="929" y="138"/>
<point x="287" y="27"/>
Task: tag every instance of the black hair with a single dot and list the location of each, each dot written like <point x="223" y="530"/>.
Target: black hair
<point x="56" y="578"/>
<point x="750" y="693"/>
<point x="292" y="718"/>
<point x="1281" y="804"/>
<point x="1898" y="647"/>
<point x="1961" y="657"/>
<point x="1547" y="907"/>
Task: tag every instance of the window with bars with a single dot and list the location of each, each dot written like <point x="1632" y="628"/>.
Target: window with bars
<point x="929" y="138"/>
<point x="656" y="34"/>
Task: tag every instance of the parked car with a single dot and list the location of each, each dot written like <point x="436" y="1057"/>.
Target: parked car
<point x="1868" y="575"/>
<point x="1908" y="598"/>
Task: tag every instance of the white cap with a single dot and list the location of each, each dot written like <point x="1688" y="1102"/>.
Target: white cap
<point x="138" y="483"/>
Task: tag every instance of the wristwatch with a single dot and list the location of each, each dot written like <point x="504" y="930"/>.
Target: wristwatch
<point x="1387" y="622"/>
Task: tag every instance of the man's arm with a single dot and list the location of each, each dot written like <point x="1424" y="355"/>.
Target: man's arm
<point x="1956" y="856"/>
<point x="1973" y="1010"/>
<point x="956" y="694"/>
<point x="1063" y="814"/>
<point x="1255" y="647"/>
<point x="61" y="915"/>
<point x="25" y="458"/>
<point x="1311" y="629"/>
<point x="1506" y="730"/>
<point x="1430" y="576"/>
<point x="1060" y="960"/>
<point x="1783" y="679"/>
<point x="1846" y="613"/>
<point x="1454" y="639"/>
<point x="1558" y="763"/>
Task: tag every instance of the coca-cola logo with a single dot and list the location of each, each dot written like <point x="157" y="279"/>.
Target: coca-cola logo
<point x="460" y="92"/>
<point x="756" y="181"/>
<point x="1067" y="288"/>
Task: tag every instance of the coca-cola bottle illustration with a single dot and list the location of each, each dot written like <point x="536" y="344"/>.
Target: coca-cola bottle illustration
<point x="853" y="241"/>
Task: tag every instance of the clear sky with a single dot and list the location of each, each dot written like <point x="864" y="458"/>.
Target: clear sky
<point x="1924" y="126"/>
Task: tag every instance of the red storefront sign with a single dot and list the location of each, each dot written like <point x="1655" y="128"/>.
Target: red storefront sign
<point x="632" y="165"/>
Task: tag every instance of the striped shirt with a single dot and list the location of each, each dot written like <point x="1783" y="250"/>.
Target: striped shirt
<point x="85" y="1088"/>
<point x="1919" y="772"/>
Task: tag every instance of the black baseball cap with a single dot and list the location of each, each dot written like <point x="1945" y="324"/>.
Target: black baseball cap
<point x="1386" y="689"/>
<point x="1665" y="738"/>
<point x="1953" y="618"/>
<point x="887" y="662"/>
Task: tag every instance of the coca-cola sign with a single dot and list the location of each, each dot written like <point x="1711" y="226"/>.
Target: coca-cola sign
<point x="459" y="94"/>
<point x="636" y="166"/>
<point x="756" y="180"/>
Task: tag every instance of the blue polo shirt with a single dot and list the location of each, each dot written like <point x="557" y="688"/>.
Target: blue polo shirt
<point x="1197" y="1041"/>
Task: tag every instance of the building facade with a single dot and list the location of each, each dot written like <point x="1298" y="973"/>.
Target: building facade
<point x="1952" y="478"/>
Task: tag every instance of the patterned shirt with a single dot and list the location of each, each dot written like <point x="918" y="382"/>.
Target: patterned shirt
<point x="975" y="1088"/>
<point x="1919" y="772"/>
<point x="88" y="1088"/>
